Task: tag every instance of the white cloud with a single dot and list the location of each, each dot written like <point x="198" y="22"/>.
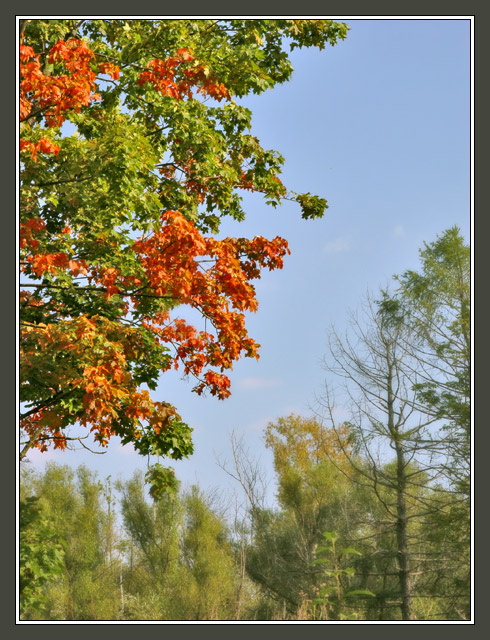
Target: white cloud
<point x="336" y="246"/>
<point x="258" y="383"/>
<point x="399" y="231"/>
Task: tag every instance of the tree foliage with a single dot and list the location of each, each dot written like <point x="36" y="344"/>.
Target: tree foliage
<point x="436" y="303"/>
<point x="406" y="370"/>
<point x="171" y="558"/>
<point x="313" y="496"/>
<point x="74" y="505"/>
<point x="133" y="148"/>
<point x="40" y="555"/>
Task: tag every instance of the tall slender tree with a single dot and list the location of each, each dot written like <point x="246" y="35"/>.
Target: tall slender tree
<point x="435" y="302"/>
<point x="379" y="374"/>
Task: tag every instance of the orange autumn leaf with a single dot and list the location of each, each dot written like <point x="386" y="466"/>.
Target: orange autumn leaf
<point x="113" y="226"/>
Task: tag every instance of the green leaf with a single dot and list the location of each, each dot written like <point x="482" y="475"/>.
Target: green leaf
<point x="318" y="561"/>
<point x="360" y="592"/>
<point x="331" y="535"/>
<point x="350" y="550"/>
<point x="321" y="549"/>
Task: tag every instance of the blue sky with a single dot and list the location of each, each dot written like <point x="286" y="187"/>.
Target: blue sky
<point x="380" y="126"/>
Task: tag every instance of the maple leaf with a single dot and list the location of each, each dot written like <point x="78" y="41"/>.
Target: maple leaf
<point x="113" y="222"/>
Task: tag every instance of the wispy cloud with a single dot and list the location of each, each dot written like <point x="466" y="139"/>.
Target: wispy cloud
<point x="260" y="424"/>
<point x="337" y="246"/>
<point x="399" y="231"/>
<point x="125" y="450"/>
<point x="258" y="383"/>
<point x="38" y="457"/>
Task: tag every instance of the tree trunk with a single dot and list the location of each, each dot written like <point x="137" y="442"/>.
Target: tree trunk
<point x="402" y="538"/>
<point x="401" y="504"/>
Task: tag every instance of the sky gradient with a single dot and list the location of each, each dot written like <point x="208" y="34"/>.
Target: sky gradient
<point x="380" y="126"/>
